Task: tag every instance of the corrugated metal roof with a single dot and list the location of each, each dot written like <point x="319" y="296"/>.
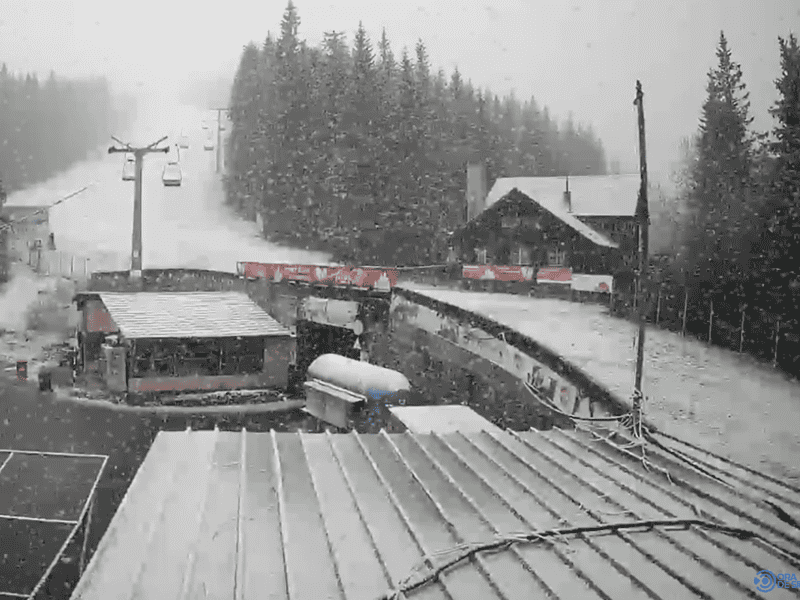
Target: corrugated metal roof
<point x="503" y="187"/>
<point x="447" y="418"/>
<point x="189" y="315"/>
<point x="308" y="516"/>
<point x="592" y="195"/>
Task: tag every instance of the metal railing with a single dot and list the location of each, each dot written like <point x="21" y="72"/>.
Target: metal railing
<point x="57" y="263"/>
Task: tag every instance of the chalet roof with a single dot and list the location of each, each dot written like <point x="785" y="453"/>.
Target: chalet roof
<point x="592" y="195"/>
<point x="557" y="514"/>
<point x="189" y="315"/>
<point x="568" y="219"/>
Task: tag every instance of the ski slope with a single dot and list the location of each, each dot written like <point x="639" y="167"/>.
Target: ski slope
<point x="717" y="399"/>
<point x="187" y="226"/>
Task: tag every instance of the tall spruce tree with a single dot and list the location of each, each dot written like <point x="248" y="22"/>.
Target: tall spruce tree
<point x="780" y="241"/>
<point x="242" y="192"/>
<point x="721" y="203"/>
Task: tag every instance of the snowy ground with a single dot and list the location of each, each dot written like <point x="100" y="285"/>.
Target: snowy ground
<point x="35" y="312"/>
<point x="712" y="397"/>
<point x="186" y="226"/>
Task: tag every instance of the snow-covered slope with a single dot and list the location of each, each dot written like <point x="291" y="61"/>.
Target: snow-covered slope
<point x="186" y="226"/>
<point x="717" y="399"/>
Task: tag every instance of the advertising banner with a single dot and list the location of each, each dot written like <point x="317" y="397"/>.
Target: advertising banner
<point x="497" y="273"/>
<point x="554" y="275"/>
<point x="601" y="284"/>
<point x="378" y="279"/>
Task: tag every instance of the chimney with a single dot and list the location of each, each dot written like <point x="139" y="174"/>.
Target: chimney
<point x="476" y="189"/>
<point x="567" y="198"/>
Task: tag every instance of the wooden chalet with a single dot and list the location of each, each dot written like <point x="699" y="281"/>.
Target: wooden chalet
<point x="586" y="224"/>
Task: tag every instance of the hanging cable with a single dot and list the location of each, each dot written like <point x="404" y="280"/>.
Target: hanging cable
<point x="4" y="226"/>
<point x="407" y="585"/>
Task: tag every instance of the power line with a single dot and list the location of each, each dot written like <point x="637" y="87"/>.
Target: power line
<point x="11" y="224"/>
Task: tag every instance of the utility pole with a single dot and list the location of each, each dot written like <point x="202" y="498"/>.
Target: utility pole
<point x="219" y="131"/>
<point x="642" y="213"/>
<point x="139" y="153"/>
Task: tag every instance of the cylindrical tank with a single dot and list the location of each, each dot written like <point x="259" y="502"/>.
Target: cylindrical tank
<point x="359" y="377"/>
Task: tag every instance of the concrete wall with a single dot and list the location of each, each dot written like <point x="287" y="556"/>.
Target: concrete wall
<point x="166" y="280"/>
<point x="457" y="361"/>
<point x="450" y="355"/>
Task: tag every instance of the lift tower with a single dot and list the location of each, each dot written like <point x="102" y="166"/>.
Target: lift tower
<point x="138" y="153"/>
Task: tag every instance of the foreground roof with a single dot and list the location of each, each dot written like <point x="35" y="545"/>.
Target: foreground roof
<point x="308" y="516"/>
<point x="189" y="315"/>
<point x="591" y="195"/>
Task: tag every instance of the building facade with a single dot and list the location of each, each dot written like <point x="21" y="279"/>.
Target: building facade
<point x="189" y="341"/>
<point x="29" y="232"/>
<point x="584" y="224"/>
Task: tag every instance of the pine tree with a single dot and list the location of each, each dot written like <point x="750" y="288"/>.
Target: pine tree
<point x="47" y="128"/>
<point x="324" y="114"/>
<point x="780" y="240"/>
<point x="242" y="192"/>
<point x="720" y="202"/>
<point x="364" y="100"/>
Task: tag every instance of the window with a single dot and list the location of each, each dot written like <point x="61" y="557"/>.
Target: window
<point x="510" y="221"/>
<point x="481" y="255"/>
<point x="522" y="256"/>
<point x="556" y="257"/>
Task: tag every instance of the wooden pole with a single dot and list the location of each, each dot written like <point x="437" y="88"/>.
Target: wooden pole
<point x="741" y="333"/>
<point x="685" y="309"/>
<point x="777" y="337"/>
<point x="658" y="306"/>
<point x="643" y="215"/>
<point x="711" y="321"/>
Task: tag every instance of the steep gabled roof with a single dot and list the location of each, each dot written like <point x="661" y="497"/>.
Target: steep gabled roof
<point x="508" y="195"/>
<point x="592" y="195"/>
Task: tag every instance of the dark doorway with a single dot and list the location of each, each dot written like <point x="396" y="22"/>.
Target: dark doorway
<point x="315" y="339"/>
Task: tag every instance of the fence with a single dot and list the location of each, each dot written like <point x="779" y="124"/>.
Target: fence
<point x="722" y="320"/>
<point x="61" y="264"/>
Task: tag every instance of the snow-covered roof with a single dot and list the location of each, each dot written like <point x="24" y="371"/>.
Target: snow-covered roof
<point x="189" y="315"/>
<point x="592" y="195"/>
<point x="354" y="516"/>
<point x="503" y="187"/>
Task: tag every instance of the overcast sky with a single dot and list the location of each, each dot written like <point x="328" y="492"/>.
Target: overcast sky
<point x="582" y="56"/>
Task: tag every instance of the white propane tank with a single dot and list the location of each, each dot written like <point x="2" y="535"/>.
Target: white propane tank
<point x="359" y="377"/>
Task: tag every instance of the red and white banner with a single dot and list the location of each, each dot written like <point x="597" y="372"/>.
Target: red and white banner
<point x="554" y="275"/>
<point x="386" y="279"/>
<point x="497" y="273"/>
<point x="380" y="279"/>
<point x="601" y="284"/>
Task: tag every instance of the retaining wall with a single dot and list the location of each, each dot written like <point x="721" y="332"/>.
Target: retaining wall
<point x="451" y="355"/>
